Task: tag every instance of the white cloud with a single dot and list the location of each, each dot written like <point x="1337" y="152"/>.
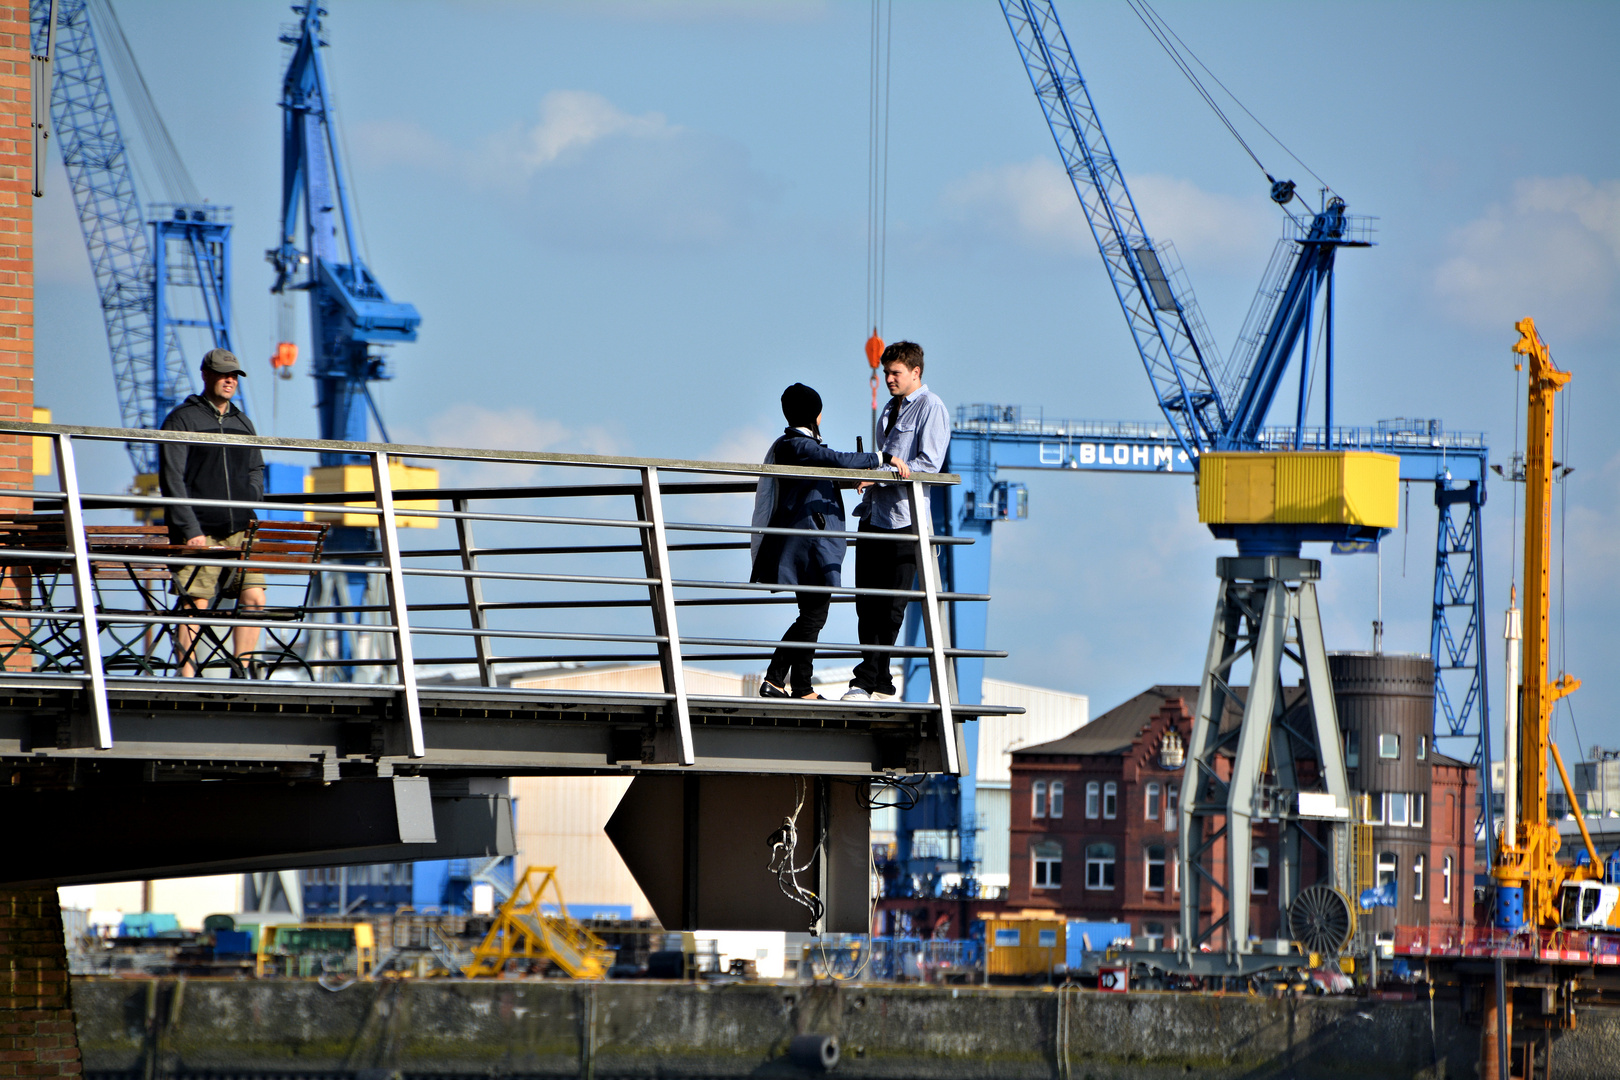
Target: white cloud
<point x="1033" y="204"/>
<point x="585" y="173"/>
<point x="1552" y="251"/>
<point x="476" y="427"/>
<point x="744" y="444"/>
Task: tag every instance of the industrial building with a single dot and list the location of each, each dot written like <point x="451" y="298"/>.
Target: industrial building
<point x="1095" y="813"/>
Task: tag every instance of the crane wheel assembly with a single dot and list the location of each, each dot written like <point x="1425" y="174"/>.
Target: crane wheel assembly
<point x="1322" y="919"/>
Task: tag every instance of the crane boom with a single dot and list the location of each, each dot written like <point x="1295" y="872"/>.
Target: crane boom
<point x="349" y="310"/>
<point x="1162" y="314"/>
<point x="149" y="382"/>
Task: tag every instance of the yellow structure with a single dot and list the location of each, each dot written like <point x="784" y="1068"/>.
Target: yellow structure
<point x="523" y="930"/>
<point x="1527" y="849"/>
<point x="306" y="949"/>
<point x="327" y="479"/>
<point x="44" y="456"/>
<point x="1299" y="487"/>
<point x="1023" y="945"/>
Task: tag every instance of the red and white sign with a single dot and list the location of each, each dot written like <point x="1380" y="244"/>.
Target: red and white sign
<point x="1114" y="980"/>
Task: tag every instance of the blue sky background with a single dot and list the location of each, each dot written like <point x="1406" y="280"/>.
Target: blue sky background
<point x="628" y="225"/>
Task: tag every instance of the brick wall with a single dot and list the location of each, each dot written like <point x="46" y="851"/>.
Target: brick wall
<point x="37" y="1035"/>
<point x="16" y="286"/>
<point x="16" y="244"/>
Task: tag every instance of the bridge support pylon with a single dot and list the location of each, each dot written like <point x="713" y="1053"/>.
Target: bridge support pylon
<point x="37" y="1033"/>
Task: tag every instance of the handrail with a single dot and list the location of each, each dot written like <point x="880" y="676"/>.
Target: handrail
<point x="86" y="609"/>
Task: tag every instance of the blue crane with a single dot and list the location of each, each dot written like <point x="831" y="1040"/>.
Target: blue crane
<point x="350" y="313"/>
<point x="1207" y="405"/>
<point x="351" y="318"/>
<point x="153" y="285"/>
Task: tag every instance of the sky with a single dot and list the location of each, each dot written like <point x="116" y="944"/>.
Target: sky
<point x="628" y="224"/>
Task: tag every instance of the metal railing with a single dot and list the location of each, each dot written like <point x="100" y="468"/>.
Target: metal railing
<point x="76" y="607"/>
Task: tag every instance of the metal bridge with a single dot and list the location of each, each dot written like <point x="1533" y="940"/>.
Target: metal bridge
<point x="578" y="560"/>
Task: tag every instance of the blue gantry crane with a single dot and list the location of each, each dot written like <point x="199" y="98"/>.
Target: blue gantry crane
<point x="160" y="274"/>
<point x="1208" y="406"/>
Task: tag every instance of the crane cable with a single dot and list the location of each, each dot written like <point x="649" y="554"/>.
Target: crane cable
<point x="877" y="189"/>
<point x="1164" y="35"/>
<point x="174" y="179"/>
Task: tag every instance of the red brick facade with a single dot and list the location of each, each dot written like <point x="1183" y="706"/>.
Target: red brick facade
<point x="16" y="244"/>
<point x="37" y="1036"/>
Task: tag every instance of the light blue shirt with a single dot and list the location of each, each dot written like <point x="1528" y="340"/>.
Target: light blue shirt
<point x="919" y="436"/>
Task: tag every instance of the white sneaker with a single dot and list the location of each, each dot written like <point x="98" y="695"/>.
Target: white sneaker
<point x="855" y="693"/>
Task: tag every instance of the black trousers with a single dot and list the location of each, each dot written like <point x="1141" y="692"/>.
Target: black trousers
<point x="881" y="564"/>
<point x="797" y="665"/>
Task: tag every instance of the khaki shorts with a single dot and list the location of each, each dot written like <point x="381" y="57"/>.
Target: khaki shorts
<point x="202" y="582"/>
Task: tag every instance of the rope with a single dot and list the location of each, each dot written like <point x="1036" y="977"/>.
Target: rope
<point x="1163" y="34"/>
<point x="877" y="174"/>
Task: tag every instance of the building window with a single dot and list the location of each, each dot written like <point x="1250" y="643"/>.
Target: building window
<point x="1423" y="747"/>
<point x="1152" y="801"/>
<point x="1155" y="868"/>
<point x="1389" y="746"/>
<point x="1055" y="808"/>
<point x="1372" y="808"/>
<point x="1099" y="866"/>
<point x="1398" y="813"/>
<point x="1039" y="791"/>
<point x="1047" y="857"/>
<point x="1110" y="799"/>
<point x="1092" y="799"/>
<point x="1352" y="749"/>
<point x="1261" y="866"/>
<point x="1171" y="815"/>
<point x="1445" y="881"/>
<point x="1386" y="868"/>
<point x="1417" y="877"/>
<point x="1417" y="811"/>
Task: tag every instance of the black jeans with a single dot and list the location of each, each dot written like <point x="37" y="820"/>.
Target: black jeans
<point x="797" y="664"/>
<point x="881" y="564"/>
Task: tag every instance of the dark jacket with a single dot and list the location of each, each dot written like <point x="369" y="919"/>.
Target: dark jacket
<point x="209" y="472"/>
<point x="806" y="504"/>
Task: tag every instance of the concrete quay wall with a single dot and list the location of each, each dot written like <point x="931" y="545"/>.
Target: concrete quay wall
<point x="449" y="1028"/>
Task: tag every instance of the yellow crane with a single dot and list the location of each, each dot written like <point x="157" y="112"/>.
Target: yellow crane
<point x="1532" y="885"/>
<point x="523" y="929"/>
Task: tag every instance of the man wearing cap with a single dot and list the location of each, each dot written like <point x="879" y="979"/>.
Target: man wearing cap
<point x="213" y="472"/>
<point x="803" y="503"/>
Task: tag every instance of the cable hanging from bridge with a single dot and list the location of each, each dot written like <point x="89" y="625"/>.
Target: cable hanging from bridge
<point x="1174" y="47"/>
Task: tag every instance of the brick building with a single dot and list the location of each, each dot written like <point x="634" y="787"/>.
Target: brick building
<point x="1094" y="828"/>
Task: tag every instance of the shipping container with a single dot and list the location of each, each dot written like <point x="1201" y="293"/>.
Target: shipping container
<point x="1023" y="947"/>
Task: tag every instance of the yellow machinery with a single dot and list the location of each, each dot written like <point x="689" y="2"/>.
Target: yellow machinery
<point x="314" y="949"/>
<point x="523" y="930"/>
<point x="1528" y="874"/>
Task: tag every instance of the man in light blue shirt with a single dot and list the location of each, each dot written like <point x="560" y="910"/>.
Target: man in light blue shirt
<point x="915" y="428"/>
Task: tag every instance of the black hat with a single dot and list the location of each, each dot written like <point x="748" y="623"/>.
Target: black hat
<point x="222" y="362"/>
<point x="801" y="405"/>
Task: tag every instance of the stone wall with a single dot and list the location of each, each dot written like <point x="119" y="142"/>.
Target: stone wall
<point x="446" y="1028"/>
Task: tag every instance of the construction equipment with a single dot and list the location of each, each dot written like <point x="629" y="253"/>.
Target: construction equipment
<point x="316" y="950"/>
<point x="1532" y="887"/>
<point x="525" y="930"/>
<point x="155" y="287"/>
<point x="351" y="319"/>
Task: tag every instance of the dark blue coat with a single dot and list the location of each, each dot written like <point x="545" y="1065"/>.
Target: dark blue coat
<point x="806" y="504"/>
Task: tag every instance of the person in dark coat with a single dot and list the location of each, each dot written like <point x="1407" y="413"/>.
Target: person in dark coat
<point x="792" y="503"/>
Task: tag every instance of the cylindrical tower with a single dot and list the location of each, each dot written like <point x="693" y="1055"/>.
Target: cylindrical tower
<point x="1386" y="711"/>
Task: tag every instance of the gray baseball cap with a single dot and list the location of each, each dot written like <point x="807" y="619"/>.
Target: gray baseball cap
<point x="222" y="362"/>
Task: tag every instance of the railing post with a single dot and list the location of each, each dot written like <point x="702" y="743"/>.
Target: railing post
<point x="475" y="592"/>
<point x="655" y="550"/>
<point x="84" y="592"/>
<point x="388" y="530"/>
<point x="922" y="520"/>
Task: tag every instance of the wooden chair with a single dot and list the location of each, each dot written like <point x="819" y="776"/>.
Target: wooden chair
<point x="282" y="542"/>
